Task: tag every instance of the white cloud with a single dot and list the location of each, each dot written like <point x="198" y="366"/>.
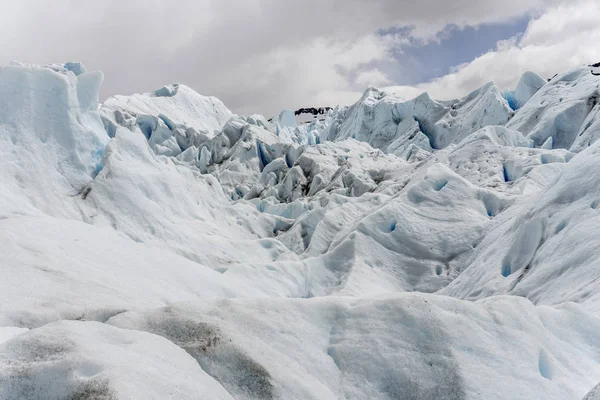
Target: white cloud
<point x="563" y="37"/>
<point x="373" y="77"/>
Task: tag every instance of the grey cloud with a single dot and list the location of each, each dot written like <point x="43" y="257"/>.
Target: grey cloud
<point x="256" y="55"/>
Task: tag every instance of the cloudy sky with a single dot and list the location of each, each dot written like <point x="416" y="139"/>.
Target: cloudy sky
<point x="259" y="56"/>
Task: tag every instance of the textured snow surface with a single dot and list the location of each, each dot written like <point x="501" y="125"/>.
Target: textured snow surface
<point x="410" y="346"/>
<point x="159" y="246"/>
<point x="91" y="360"/>
<point x="594" y="394"/>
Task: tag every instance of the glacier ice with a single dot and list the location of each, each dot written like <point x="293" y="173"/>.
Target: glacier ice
<point x="388" y="122"/>
<point x="51" y="137"/>
<point x="158" y="245"/>
<point x="565" y="109"/>
<point x="528" y="85"/>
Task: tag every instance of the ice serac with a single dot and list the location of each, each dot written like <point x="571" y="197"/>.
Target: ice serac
<point x="528" y="85"/>
<point x="288" y="129"/>
<point x="392" y="124"/>
<point x="51" y="137"/>
<point x="241" y="156"/>
<point x="565" y="109"/>
<point x="173" y="117"/>
<point x="287" y="119"/>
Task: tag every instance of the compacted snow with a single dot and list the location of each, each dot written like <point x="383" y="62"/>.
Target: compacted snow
<point x="158" y="246"/>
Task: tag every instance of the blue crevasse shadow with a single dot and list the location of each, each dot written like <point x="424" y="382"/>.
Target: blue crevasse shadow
<point x="98" y="157"/>
<point x="510" y="98"/>
<point x="262" y="155"/>
<point x="426" y="132"/>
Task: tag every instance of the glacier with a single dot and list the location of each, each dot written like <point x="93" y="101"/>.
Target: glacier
<point x="159" y="246"/>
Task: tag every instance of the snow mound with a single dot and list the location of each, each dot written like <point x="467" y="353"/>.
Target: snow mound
<point x="404" y="245"/>
<point x="528" y="85"/>
<point x="9" y="332"/>
<point x="594" y="394"/>
<point x="90" y="360"/>
<point x="71" y="270"/>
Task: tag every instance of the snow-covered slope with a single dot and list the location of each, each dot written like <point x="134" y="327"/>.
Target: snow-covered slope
<point x="159" y="246"/>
